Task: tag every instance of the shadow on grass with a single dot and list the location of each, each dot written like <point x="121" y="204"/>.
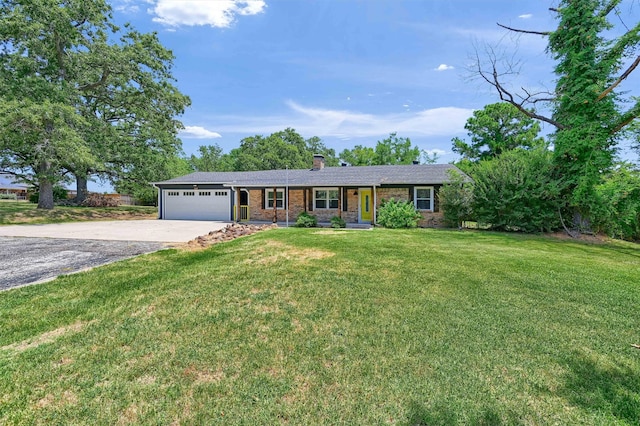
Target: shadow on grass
<point x="453" y="415"/>
<point x="629" y="251"/>
<point x="610" y="389"/>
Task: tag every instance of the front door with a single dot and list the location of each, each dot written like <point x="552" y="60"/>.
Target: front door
<point x="366" y="205"/>
<point x="244" y="205"/>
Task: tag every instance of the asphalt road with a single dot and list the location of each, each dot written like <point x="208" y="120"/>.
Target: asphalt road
<point x="32" y="260"/>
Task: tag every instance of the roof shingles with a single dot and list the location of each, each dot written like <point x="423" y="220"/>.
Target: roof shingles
<point x="419" y="174"/>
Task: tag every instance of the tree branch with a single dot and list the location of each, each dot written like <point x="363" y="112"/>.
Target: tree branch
<point x="608" y="8"/>
<point x="103" y="79"/>
<point x="493" y="79"/>
<point x="624" y="75"/>
<point x="627" y="118"/>
<point x="80" y="23"/>
<point x="20" y="177"/>
<point x="625" y="42"/>
<point x="543" y="33"/>
<point x="535" y="98"/>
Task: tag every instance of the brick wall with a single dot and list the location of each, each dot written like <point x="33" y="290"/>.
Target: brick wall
<point x="389" y="193"/>
<point x="429" y="219"/>
<point x="351" y="215"/>
<point x="256" y="212"/>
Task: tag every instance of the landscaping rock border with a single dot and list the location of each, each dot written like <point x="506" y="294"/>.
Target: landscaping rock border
<point x="228" y="233"/>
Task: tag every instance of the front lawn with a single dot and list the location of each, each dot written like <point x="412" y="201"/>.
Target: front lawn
<point x="304" y="326"/>
<point x="20" y="212"/>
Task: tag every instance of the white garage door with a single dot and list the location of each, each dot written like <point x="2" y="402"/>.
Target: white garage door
<point x="209" y="204"/>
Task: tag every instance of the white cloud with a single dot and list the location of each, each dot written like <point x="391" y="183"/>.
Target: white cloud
<point x="215" y="13"/>
<point x="126" y="6"/>
<point x="525" y="16"/>
<point x="352" y="124"/>
<point x="436" y="151"/>
<point x="347" y="124"/>
<point x="443" y="67"/>
<point x="198" y="132"/>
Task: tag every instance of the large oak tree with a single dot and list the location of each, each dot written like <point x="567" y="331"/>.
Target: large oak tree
<point x="80" y="95"/>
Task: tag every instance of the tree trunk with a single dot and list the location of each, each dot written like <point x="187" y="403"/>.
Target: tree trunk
<point x="81" y="187"/>
<point x="45" y="198"/>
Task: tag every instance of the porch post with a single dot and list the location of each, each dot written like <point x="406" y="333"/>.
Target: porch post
<point x="304" y="199"/>
<point x="235" y="193"/>
<point x="375" y="206"/>
<point x="275" y="205"/>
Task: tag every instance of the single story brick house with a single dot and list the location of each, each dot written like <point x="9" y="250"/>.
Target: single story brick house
<point x="352" y="193"/>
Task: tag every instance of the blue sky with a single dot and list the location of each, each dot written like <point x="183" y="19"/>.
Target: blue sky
<point x="348" y="71"/>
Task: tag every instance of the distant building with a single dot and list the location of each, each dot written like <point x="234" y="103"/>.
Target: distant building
<point x="9" y="186"/>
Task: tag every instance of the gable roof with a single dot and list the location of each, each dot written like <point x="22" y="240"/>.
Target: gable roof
<point x="418" y="174"/>
<point x="7" y="181"/>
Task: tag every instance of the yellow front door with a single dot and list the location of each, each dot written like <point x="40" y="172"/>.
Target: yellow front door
<point x="366" y="205"/>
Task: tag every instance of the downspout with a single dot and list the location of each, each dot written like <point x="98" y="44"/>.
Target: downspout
<point x="159" y="200"/>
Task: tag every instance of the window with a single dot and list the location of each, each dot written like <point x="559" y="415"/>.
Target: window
<point x="189" y="193"/>
<point x="173" y="193"/>
<point x="204" y="193"/>
<point x="423" y="197"/>
<point x="279" y="198"/>
<point x="325" y="198"/>
<point x="221" y="193"/>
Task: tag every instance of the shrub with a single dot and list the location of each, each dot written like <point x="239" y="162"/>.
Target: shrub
<point x="338" y="222"/>
<point x="59" y="194"/>
<point x="398" y="214"/>
<point x="516" y="192"/>
<point x="305" y="220"/>
<point x="456" y="198"/>
<point x="8" y="197"/>
<point x="617" y="212"/>
<point x="99" y="200"/>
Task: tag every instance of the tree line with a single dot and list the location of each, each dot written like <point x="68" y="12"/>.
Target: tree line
<point x="287" y="148"/>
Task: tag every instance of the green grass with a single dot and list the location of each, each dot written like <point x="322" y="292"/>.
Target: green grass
<point x="19" y="212"/>
<point x="298" y="326"/>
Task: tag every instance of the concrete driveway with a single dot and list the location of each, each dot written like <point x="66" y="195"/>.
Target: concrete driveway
<point x="37" y="253"/>
<point x="162" y="231"/>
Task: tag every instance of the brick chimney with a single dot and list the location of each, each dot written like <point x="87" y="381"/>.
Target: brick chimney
<point x="318" y="162"/>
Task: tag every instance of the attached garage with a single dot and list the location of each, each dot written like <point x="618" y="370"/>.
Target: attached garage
<point x="196" y="204"/>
